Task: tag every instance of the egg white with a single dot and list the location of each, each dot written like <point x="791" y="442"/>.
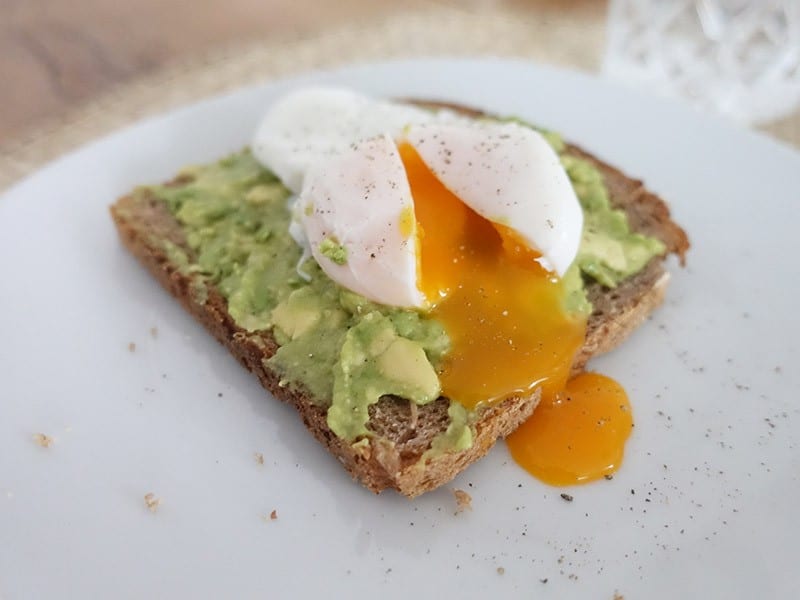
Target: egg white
<point x="311" y="124"/>
<point x="357" y="199"/>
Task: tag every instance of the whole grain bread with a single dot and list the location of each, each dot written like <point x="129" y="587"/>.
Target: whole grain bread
<point x="402" y="430"/>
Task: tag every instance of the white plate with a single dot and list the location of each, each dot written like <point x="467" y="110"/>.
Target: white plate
<point x="704" y="506"/>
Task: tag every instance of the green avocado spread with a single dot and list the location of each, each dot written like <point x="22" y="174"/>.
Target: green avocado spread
<point x="343" y="349"/>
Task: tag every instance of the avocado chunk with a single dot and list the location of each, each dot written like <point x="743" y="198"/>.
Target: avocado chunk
<point x="375" y="362"/>
<point x="296" y="315"/>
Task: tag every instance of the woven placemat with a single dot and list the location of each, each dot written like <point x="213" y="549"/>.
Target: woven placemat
<point x="574" y="39"/>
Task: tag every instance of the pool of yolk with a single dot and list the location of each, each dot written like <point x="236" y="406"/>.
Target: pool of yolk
<point x="577" y="435"/>
<point x="510" y="334"/>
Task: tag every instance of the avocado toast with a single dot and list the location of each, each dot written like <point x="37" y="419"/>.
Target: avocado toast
<point x="411" y="448"/>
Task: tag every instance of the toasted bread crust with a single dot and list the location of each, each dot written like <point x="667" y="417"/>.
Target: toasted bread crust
<point x="392" y="459"/>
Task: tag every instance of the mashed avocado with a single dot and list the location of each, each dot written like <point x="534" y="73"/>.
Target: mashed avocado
<point x="343" y="349"/>
<point x="333" y="251"/>
<point x="609" y="251"/>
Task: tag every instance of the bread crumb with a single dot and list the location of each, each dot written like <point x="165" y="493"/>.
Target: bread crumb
<point x="463" y="500"/>
<point x="151" y="502"/>
<point x="259" y="458"/>
<point x="132" y="347"/>
<point x="501" y="571"/>
<point x="567" y="497"/>
<point x="273" y="516"/>
<point x="43" y="440"/>
<point x="618" y="596"/>
<point x="154" y="332"/>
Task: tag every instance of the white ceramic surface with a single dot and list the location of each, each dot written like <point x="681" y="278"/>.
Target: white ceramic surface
<point x="704" y="506"/>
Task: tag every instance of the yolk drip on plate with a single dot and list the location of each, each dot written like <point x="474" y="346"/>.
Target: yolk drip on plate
<point x="510" y="334"/>
<point x="577" y="435"/>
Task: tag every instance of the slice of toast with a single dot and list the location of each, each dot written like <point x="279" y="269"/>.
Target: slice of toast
<point x="402" y="430"/>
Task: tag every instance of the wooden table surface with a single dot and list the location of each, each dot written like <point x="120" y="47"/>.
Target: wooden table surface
<point x="56" y="54"/>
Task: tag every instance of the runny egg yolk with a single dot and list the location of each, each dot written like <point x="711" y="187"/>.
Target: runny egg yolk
<point x="577" y="435"/>
<point x="510" y="333"/>
<point x="504" y="313"/>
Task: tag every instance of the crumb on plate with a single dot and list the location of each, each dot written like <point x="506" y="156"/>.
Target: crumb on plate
<point x="501" y="571"/>
<point x="132" y="347"/>
<point x="259" y="458"/>
<point x="43" y="440"/>
<point x="463" y="500"/>
<point x="154" y="332"/>
<point x="151" y="502"/>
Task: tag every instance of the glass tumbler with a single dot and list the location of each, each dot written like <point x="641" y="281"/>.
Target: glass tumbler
<point x="740" y="58"/>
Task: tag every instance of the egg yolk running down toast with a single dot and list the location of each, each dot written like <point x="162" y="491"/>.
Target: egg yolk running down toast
<point x="510" y="334"/>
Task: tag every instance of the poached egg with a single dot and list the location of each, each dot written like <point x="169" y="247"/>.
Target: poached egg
<point x="472" y="222"/>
